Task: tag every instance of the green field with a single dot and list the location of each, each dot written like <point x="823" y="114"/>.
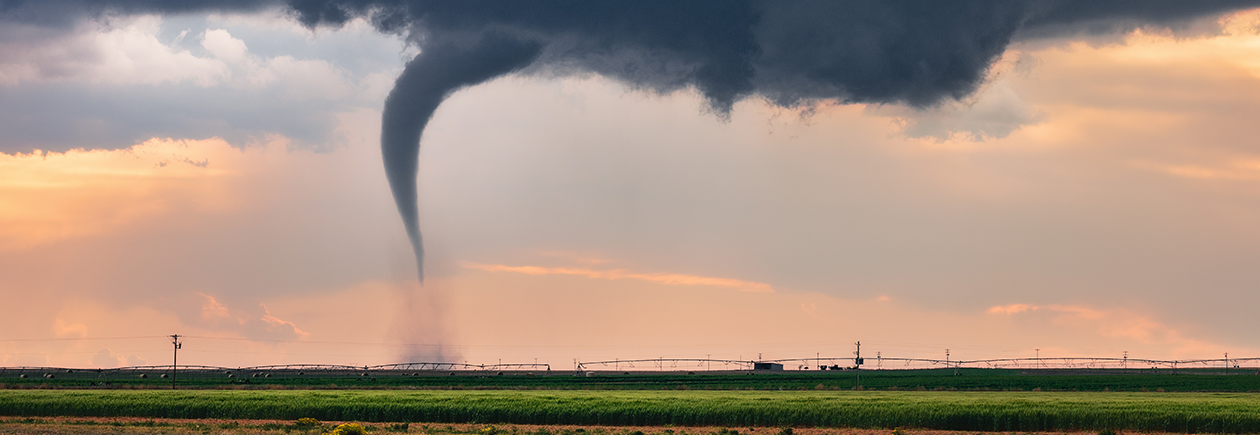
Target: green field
<point x="978" y="411"/>
<point x="947" y="379"/>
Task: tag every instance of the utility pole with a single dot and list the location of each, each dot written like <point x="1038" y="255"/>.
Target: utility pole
<point x="857" y="363"/>
<point x="1125" y="363"/>
<point x="175" y="358"/>
<point x="1227" y="363"/>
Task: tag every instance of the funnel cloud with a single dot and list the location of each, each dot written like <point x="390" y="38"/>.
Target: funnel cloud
<point x="427" y="80"/>
<point x="917" y="53"/>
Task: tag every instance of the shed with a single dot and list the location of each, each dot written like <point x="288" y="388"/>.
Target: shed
<point x="767" y="366"/>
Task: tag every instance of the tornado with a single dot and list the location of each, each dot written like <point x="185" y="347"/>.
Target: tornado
<point x="795" y="54"/>
<point x="433" y="75"/>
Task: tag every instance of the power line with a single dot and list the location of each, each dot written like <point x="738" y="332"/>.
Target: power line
<point x="495" y="346"/>
<point x="465" y="346"/>
<point x="85" y="352"/>
<point x="137" y="337"/>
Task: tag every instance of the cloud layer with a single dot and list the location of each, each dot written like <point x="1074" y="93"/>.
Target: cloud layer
<point x="1111" y="184"/>
<point x="113" y="83"/>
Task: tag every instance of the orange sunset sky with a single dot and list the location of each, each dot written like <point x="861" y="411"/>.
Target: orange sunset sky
<point x="219" y="176"/>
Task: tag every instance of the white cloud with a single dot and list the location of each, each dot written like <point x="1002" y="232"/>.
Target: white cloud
<point x="117" y="81"/>
<point x="31" y="359"/>
<point x="297" y="79"/>
<point x="996" y="112"/>
<point x="993" y="112"/>
<point x="221" y="43"/>
<point x="212" y="309"/>
<point x="303" y="79"/>
<point x="1116" y="323"/>
<point x="107" y="360"/>
<point x="217" y="316"/>
<point x="1236" y="169"/>
<point x="124" y="51"/>
<point x="128" y="52"/>
<point x="67" y="329"/>
<point x="619" y="274"/>
<point x="1012" y="308"/>
<point x="280" y="327"/>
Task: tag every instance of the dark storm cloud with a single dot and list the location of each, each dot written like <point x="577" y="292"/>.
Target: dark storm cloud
<point x="63" y="13"/>
<point x="790" y="52"/>
<point x="1084" y="17"/>
<point x="60" y="117"/>
<point x="915" y="52"/>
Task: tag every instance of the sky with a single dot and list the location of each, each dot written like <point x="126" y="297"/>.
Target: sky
<point x="218" y="174"/>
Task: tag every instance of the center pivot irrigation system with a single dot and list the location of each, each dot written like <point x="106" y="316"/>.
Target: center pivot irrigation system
<point x="892" y="363"/>
<point x="189" y="372"/>
<point x="690" y="365"/>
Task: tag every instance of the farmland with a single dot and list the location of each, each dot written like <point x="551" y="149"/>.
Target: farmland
<point x="942" y="410"/>
<point x="884" y="380"/>
<point x="113" y="426"/>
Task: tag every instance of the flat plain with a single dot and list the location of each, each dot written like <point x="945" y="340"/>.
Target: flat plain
<point x="985" y="400"/>
<point x="937" y="410"/>
<point x="102" y="426"/>
<point x="932" y="379"/>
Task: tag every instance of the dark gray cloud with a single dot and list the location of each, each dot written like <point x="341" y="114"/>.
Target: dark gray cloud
<point x="791" y="53"/>
<point x="64" y="13"/>
<point x="917" y="53"/>
<point x="59" y="117"/>
<point x="1082" y="17"/>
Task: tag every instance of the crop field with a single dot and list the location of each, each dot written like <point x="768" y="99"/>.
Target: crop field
<point x="885" y="380"/>
<point x="941" y="410"/>
<point x="114" y="426"/>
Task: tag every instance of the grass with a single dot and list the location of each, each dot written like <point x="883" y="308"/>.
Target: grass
<point x="71" y="426"/>
<point x="973" y="411"/>
<point x="966" y="380"/>
<point x="64" y="426"/>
